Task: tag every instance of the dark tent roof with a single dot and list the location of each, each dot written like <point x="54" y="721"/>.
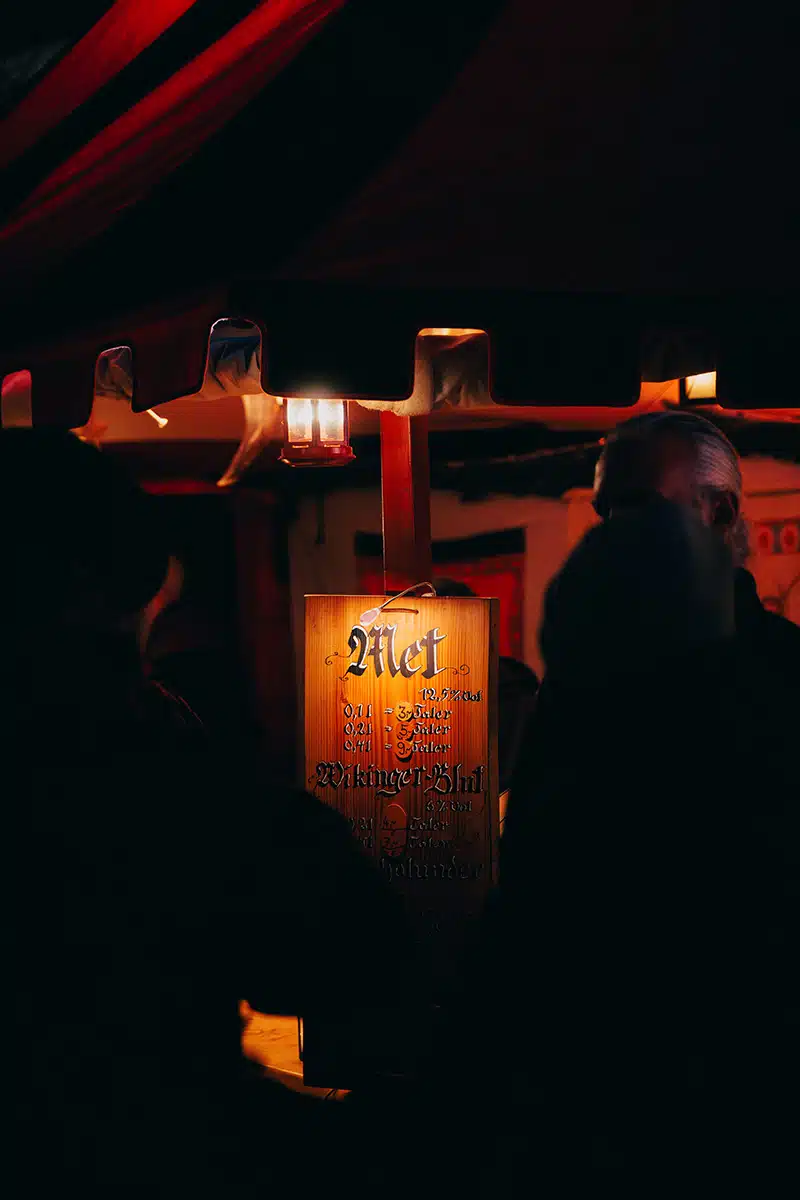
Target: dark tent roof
<point x="608" y="190"/>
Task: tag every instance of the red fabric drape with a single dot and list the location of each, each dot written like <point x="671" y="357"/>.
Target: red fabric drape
<point x="127" y="29"/>
<point x="589" y="147"/>
<point x="114" y="170"/>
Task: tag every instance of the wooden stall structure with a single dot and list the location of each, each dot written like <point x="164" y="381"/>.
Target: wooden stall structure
<point x="140" y="215"/>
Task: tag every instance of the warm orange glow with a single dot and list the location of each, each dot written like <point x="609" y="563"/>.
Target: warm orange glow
<point x="93" y="431"/>
<point x="299" y="420"/>
<point x="315" y="432"/>
<point x="701" y="387"/>
<point x="450" y="332"/>
<point x="331" y="420"/>
<point x="274" y="1042"/>
<point x="160" y="421"/>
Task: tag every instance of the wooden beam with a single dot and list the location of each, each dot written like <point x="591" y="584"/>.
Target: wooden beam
<point x="406" y="501"/>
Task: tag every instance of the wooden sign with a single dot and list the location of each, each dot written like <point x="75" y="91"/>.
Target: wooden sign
<point x="401" y="738"/>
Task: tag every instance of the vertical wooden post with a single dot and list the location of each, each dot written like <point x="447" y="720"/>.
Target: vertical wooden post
<point x="406" y="501"/>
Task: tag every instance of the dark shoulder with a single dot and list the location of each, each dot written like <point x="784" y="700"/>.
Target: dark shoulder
<point x="769" y="637"/>
<point x="211" y="792"/>
<point x="776" y="640"/>
<point x="782" y="630"/>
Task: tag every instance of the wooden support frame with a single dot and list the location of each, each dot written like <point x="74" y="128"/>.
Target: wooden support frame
<point x="406" y="501"/>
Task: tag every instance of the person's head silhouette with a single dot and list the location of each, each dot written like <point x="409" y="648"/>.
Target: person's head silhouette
<point x="678" y="456"/>
<point x="81" y="544"/>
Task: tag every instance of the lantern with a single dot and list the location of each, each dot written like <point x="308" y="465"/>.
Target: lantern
<point x="315" y="433"/>
<point x="699" y="388"/>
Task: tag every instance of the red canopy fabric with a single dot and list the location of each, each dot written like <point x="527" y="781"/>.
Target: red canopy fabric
<point x="121" y="164"/>
<point x="579" y="180"/>
<point x="127" y="28"/>
<point x="591" y="147"/>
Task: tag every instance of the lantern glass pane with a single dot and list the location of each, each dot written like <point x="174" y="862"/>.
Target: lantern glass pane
<point x="331" y="421"/>
<point x="299" y="420"/>
<point x="701" y="387"/>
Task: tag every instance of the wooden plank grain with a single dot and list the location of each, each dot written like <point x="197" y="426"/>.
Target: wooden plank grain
<point x="401" y="738"/>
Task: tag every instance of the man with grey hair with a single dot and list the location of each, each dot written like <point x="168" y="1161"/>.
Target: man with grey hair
<point x="683" y="457"/>
<point x="645" y="923"/>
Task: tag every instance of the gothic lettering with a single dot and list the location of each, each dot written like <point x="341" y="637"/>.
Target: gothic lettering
<point x="379" y="644"/>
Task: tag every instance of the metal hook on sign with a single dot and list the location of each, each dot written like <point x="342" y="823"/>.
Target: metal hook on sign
<point x="369" y="616"/>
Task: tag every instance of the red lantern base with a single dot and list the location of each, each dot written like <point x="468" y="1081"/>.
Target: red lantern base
<point x="317" y="456"/>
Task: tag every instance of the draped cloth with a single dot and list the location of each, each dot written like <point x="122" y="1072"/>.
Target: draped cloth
<point x="84" y="195"/>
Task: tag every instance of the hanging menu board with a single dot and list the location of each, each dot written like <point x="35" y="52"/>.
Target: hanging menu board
<point x="401" y="738"/>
